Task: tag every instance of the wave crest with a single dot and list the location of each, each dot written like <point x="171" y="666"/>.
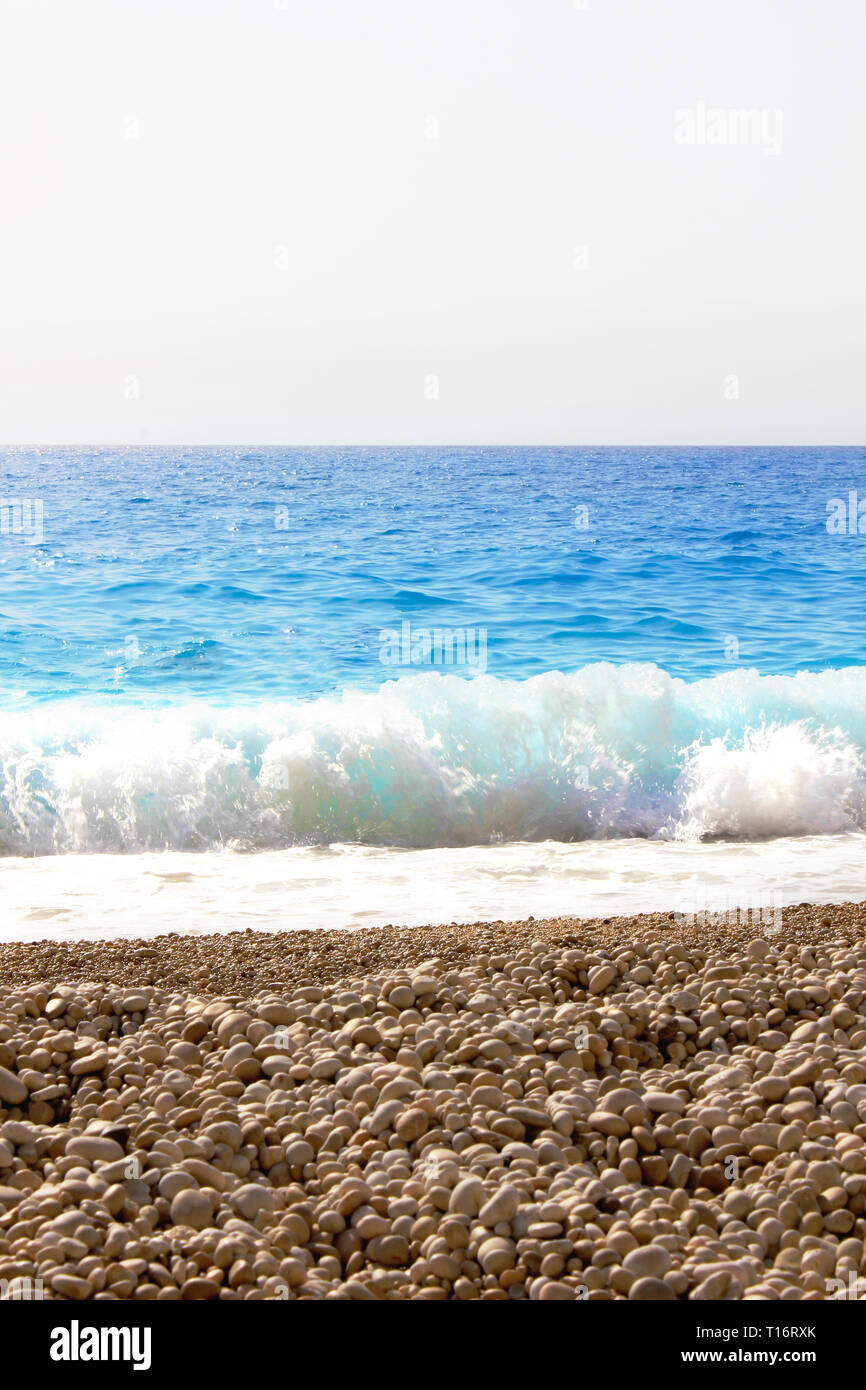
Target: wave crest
<point x="432" y="759"/>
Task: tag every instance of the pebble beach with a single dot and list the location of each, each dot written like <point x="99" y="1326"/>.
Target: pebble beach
<point x="643" y="1108"/>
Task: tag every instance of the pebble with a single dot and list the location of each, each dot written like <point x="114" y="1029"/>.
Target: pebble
<point x="12" y="1089"/>
<point x="651" y="1290"/>
<point x="648" y="1261"/>
<point x="190" y="1207"/>
<point x="512" y="1111"/>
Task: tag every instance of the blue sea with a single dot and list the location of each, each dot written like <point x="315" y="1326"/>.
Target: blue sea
<point x="390" y="651"/>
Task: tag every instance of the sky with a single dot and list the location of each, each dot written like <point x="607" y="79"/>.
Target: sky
<point x="474" y="221"/>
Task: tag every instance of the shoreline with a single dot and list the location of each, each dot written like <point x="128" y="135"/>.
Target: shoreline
<point x="638" y="1108"/>
<point x="104" y="896"/>
<point x="250" y="959"/>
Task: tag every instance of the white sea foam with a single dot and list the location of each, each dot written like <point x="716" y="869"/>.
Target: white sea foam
<point x="436" y="760"/>
<point x="349" y="886"/>
<point x="777" y="780"/>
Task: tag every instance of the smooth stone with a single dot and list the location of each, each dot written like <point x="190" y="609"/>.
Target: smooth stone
<point x="191" y="1207"/>
<point x="12" y="1090"/>
<point x="650" y="1290"/>
<point x="648" y="1261"/>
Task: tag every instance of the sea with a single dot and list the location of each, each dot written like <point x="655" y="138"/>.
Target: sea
<point x="336" y="687"/>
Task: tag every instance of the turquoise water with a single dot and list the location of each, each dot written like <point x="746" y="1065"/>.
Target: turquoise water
<point x="253" y="647"/>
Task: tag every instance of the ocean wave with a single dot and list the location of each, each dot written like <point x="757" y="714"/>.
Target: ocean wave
<point x="436" y="760"/>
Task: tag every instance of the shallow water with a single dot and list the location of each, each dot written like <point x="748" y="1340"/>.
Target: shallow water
<point x="349" y="886"/>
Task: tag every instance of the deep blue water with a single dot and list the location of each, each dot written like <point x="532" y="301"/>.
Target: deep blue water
<point x="162" y="573"/>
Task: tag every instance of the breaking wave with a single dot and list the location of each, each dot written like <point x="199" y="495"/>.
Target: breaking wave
<point x="436" y="760"/>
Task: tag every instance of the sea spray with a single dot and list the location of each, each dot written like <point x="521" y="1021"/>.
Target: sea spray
<point x="434" y="760"/>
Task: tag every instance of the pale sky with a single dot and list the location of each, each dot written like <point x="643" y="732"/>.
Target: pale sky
<point x="432" y="221"/>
